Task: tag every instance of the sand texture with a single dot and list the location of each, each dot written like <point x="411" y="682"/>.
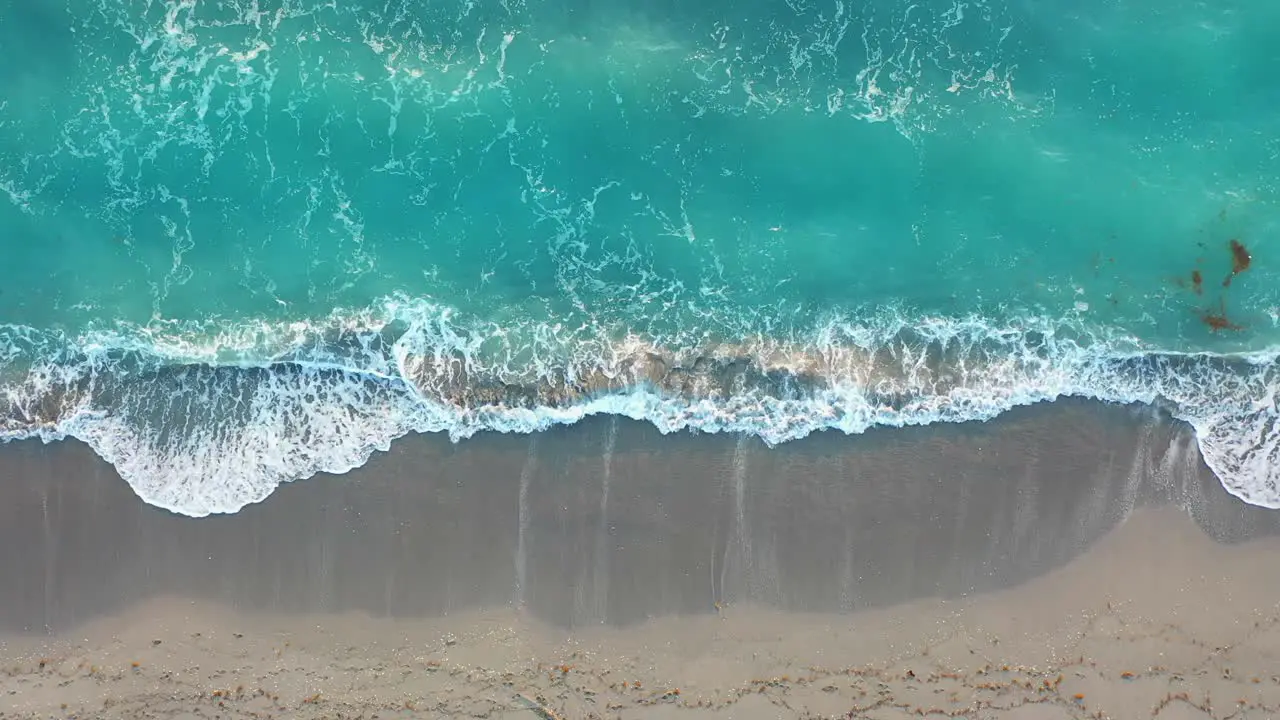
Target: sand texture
<point x="1051" y="583"/>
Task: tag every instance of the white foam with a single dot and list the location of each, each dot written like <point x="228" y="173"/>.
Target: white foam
<point x="198" y="437"/>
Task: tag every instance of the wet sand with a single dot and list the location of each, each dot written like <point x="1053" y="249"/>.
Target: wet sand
<point x="1072" y="560"/>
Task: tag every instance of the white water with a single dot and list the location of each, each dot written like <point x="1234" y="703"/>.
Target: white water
<point x="198" y="435"/>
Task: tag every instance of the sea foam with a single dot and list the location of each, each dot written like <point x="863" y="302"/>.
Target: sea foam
<point x="202" y="420"/>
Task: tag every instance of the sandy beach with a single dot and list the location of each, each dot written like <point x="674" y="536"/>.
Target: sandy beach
<point x="1066" y="561"/>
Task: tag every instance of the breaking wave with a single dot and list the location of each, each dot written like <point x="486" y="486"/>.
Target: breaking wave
<point x="202" y="420"/>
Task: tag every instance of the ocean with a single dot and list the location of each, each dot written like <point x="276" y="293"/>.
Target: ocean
<point x="249" y="241"/>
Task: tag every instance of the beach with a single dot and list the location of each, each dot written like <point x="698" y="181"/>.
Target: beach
<point x="1072" y="560"/>
<point x="636" y="360"/>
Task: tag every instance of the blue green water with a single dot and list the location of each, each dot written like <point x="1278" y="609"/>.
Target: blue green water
<point x="248" y="241"/>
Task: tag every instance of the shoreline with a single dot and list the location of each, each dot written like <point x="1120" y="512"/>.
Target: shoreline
<point x="885" y="575"/>
<point x="319" y="417"/>
<point x="561" y="521"/>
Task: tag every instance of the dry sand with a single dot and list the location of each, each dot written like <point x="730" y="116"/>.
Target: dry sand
<point x="1156" y="620"/>
<point x="1145" y="614"/>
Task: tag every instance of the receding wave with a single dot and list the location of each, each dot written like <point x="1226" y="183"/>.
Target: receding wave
<point x="208" y="420"/>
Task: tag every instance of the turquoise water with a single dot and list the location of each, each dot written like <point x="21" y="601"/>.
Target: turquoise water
<point x="249" y="241"/>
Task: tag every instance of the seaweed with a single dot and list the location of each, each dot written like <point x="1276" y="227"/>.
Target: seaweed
<point x="1240" y="260"/>
<point x="1218" y="320"/>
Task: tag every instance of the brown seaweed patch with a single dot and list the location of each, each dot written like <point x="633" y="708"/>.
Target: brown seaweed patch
<point x="1240" y="261"/>
<point x="1218" y="320"/>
